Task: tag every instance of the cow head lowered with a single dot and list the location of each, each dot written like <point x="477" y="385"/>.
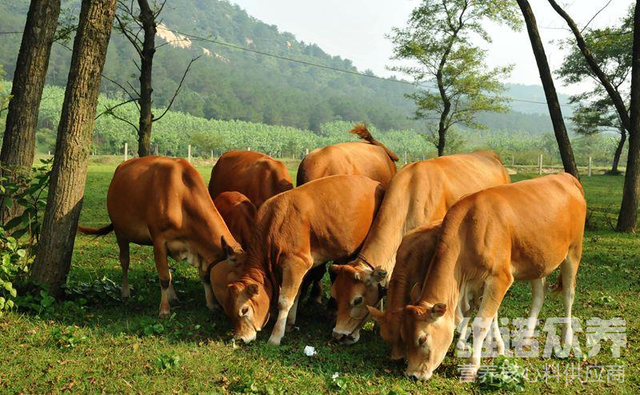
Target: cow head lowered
<point x="354" y="288"/>
<point x="427" y="330"/>
<point x="242" y="292"/>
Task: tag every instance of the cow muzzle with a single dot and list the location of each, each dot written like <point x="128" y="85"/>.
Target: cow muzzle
<point x="346" y="338"/>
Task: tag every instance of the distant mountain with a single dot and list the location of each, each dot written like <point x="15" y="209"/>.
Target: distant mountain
<point x="228" y="83"/>
<point x="525" y="94"/>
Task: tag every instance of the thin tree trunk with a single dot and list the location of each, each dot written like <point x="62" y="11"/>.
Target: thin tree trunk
<point x="555" y="111"/>
<point x="618" y="153"/>
<point x="442" y="128"/>
<point x="19" y="142"/>
<point x="147" y="19"/>
<point x="68" y="176"/>
<point x="628" y="217"/>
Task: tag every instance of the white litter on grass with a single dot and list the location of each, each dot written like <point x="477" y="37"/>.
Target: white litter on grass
<point x="310" y="351"/>
<point x="335" y="376"/>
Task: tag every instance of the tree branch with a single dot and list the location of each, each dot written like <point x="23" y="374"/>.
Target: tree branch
<point x="588" y="55"/>
<point x="175" y="94"/>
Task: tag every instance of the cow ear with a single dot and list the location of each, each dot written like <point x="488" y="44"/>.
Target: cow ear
<point x="438" y="310"/>
<point x="226" y="248"/>
<point x="415" y="293"/>
<point x="375" y="313"/>
<point x="379" y="275"/>
<point x="252" y="290"/>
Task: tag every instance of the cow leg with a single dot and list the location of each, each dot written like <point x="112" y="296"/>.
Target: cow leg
<point x="293" y="271"/>
<point x="497" y="336"/>
<point x="125" y="291"/>
<point x="568" y="271"/>
<point x="494" y="290"/>
<point x="208" y="290"/>
<point x="162" y="266"/>
<point x="317" y="290"/>
<point x="537" y="299"/>
<point x="291" y="318"/>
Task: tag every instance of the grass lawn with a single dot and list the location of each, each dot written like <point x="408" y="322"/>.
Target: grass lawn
<point x="99" y="344"/>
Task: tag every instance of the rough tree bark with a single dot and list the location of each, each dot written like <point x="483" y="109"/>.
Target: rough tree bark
<point x="19" y="142"/>
<point x="148" y="20"/>
<point x="68" y="176"/>
<point x="564" y="145"/>
<point x="628" y="217"/>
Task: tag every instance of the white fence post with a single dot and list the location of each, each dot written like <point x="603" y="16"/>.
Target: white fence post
<point x="126" y="151"/>
<point x="405" y="157"/>
<point x="189" y="153"/>
<point x="306" y="151"/>
<point x="248" y="148"/>
<point x="589" y="166"/>
<point x="211" y="154"/>
<point x="540" y="165"/>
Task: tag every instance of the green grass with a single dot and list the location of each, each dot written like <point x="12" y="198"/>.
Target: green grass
<point x="119" y="347"/>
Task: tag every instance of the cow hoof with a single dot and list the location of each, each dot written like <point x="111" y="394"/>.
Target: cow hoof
<point x="125" y="294"/>
<point x="164" y="313"/>
<point x="274" y="342"/>
<point x="461" y="346"/>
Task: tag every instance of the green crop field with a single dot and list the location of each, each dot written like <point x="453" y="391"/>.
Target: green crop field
<point x="97" y="343"/>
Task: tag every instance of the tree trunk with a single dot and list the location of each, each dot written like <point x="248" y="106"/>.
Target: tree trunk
<point x="442" y="124"/>
<point x="146" y="67"/>
<point x="616" y="156"/>
<point x="628" y="217"/>
<point x="68" y="176"/>
<point x="19" y="142"/>
<point x="564" y="145"/>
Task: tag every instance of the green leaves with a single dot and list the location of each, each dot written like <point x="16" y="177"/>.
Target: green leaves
<point x="461" y="85"/>
<point x="169" y="360"/>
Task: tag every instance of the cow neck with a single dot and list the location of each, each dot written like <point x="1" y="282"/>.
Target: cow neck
<point x="259" y="270"/>
<point x="386" y="233"/>
<point x="444" y="279"/>
<point x="398" y="290"/>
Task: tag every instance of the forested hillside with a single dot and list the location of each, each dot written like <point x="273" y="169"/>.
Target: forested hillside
<point x="228" y="84"/>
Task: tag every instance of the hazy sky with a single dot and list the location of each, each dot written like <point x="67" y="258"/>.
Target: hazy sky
<point x="356" y="29"/>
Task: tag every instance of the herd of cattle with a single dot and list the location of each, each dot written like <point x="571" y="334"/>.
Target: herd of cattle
<point x="441" y="237"/>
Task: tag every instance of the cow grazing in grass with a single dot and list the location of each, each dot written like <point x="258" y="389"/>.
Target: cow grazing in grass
<point x="522" y="232"/>
<point x="255" y="175"/>
<point x="412" y="261"/>
<point x="324" y="220"/>
<point x="370" y="158"/>
<point x="420" y="193"/>
<point x="163" y="202"/>
<point x="239" y="214"/>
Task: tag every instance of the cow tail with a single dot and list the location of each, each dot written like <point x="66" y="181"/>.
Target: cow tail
<point x="361" y="131"/>
<point x="96" y="231"/>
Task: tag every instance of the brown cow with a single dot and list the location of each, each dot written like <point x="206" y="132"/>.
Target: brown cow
<point x="370" y="158"/>
<point x="254" y="174"/>
<point x="324" y="220"/>
<point x="412" y="261"/>
<point x="522" y="232"/>
<point x="164" y="202"/>
<point x="420" y="193"/>
<point x="239" y="214"/>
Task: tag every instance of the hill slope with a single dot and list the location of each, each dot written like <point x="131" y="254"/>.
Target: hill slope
<point x="228" y="83"/>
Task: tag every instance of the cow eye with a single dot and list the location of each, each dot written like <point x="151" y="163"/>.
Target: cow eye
<point x="422" y="340"/>
<point x="244" y="311"/>
<point x="357" y="301"/>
